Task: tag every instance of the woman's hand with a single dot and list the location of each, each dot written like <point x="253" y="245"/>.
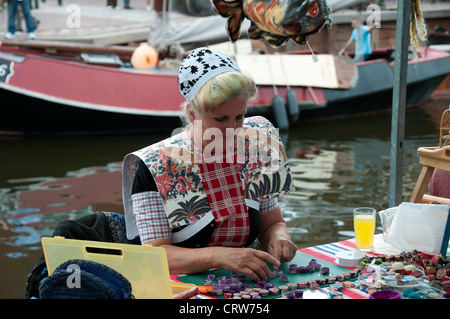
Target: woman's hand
<point x="282" y="249"/>
<point x="274" y="237"/>
<point x="248" y="261"/>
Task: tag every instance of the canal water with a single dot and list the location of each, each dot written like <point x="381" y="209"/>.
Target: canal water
<point x="336" y="165"/>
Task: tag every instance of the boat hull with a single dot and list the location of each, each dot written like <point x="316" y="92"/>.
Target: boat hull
<point x="374" y="90"/>
<point x="54" y="95"/>
<point x="29" y="115"/>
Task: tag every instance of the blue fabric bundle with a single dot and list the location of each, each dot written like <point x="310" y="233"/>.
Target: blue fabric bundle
<point x="85" y="279"/>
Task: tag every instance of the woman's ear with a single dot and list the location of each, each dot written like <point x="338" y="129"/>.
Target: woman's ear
<point x="190" y="113"/>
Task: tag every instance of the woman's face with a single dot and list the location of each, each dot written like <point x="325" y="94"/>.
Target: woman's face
<point x="227" y="115"/>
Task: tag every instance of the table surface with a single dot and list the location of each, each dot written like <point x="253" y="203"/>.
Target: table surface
<point x="327" y="252"/>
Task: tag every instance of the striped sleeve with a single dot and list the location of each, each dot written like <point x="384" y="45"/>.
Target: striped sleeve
<point x="268" y="205"/>
<point x="151" y="219"/>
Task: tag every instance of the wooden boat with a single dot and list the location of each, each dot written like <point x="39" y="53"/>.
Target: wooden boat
<point x="374" y="87"/>
<point x="56" y="87"/>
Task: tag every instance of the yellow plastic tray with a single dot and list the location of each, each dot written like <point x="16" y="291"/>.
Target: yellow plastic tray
<point x="144" y="266"/>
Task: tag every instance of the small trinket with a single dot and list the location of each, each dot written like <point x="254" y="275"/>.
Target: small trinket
<point x="335" y="287"/>
<point x="274" y="291"/>
<point x="292" y="286"/>
<point x="320" y="281"/>
<point x="348" y="284"/>
<point x="284" y="278"/>
<point x="301" y="270"/>
<point x="314" y="286"/>
<point x="290" y="295"/>
<point x="216" y="291"/>
<point x="298" y="294"/>
<point x="302" y="284"/>
<point x="278" y="272"/>
<point x="269" y="285"/>
<point x="283" y="289"/>
<point x="207" y="282"/>
<point x="336" y="295"/>
<point x="325" y="271"/>
<point x="264" y="292"/>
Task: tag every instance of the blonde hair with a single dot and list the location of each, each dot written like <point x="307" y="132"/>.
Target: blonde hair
<point x="220" y="89"/>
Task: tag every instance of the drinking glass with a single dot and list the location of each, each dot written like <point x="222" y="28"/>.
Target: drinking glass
<point x="386" y="218"/>
<point x="364" y="224"/>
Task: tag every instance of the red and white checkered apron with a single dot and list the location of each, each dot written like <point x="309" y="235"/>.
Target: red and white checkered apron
<point x="223" y="187"/>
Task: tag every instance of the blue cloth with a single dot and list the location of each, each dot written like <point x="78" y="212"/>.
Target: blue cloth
<point x="85" y="279"/>
<point x="362" y="41"/>
<point x="12" y="10"/>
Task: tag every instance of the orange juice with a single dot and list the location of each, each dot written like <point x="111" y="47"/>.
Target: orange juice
<point x="364" y="230"/>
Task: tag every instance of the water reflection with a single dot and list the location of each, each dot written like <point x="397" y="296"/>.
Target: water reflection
<point x="336" y="166"/>
<point x="38" y="207"/>
<point x="79" y="189"/>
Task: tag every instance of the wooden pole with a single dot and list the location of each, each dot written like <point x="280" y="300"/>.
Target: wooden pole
<point x="399" y="102"/>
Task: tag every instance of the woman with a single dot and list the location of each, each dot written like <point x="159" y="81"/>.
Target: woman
<point x="208" y="193"/>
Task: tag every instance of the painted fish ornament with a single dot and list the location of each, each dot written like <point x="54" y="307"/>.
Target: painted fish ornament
<point x="276" y="21"/>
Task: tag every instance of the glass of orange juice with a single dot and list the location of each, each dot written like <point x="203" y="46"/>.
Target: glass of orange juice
<point x="364" y="224"/>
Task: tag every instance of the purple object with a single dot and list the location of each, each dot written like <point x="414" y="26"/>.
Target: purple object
<point x="284" y="278"/>
<point x="207" y="282"/>
<point x="386" y="294"/>
<point x="268" y="286"/>
<point x="301" y="270"/>
<point x="298" y="293"/>
<point x="325" y="271"/>
<point x="290" y="295"/>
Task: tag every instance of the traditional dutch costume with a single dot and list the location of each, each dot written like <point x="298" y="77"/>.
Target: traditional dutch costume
<point x="173" y="191"/>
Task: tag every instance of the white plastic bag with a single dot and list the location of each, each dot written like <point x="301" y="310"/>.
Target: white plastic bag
<point x="418" y="226"/>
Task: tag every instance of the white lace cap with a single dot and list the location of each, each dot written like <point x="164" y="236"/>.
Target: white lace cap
<point x="201" y="65"/>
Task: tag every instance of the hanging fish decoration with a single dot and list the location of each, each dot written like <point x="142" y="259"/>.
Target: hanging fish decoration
<point x="418" y="28"/>
<point x="276" y="21"/>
